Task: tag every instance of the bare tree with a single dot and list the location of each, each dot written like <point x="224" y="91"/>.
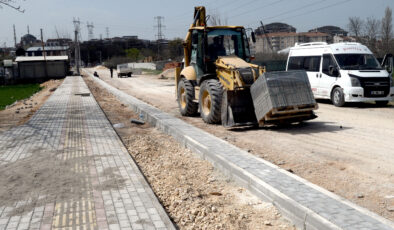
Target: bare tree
<point x="387" y="29"/>
<point x="372" y="31"/>
<point x="216" y="20"/>
<point x="12" y="4"/>
<point x="355" y="27"/>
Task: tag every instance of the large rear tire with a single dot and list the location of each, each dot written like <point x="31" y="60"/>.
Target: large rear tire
<point x="185" y="97"/>
<point x="337" y="97"/>
<point x="210" y="101"/>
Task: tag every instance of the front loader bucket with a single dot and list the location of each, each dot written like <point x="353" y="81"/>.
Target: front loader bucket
<point x="237" y="109"/>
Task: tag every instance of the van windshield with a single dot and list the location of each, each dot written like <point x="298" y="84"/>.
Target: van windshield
<point x="357" y="62"/>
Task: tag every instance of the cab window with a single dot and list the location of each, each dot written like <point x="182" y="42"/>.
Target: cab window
<point x="327" y="62"/>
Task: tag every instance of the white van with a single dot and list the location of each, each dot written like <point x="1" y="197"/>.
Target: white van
<point x="342" y="72"/>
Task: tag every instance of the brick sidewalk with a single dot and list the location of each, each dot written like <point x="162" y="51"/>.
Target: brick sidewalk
<point x="68" y="169"/>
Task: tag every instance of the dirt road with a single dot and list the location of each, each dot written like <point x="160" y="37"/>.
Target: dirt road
<point x="349" y="151"/>
<point x="192" y="192"/>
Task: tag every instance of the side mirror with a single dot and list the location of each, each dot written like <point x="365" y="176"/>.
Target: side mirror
<point x="253" y="37"/>
<point x="388" y="63"/>
<point x="333" y="71"/>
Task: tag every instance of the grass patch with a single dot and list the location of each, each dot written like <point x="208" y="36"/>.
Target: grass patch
<point x="12" y="93"/>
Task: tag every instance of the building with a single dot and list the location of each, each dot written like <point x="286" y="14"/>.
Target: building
<point x="37" y="69"/>
<point x="49" y="51"/>
<point x="331" y="30"/>
<point x="28" y="40"/>
<point x="339" y="38"/>
<point x="274" y="42"/>
<point x="59" y="42"/>
<point x="275" y="27"/>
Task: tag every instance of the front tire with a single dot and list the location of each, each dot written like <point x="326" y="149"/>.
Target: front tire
<point x="210" y="101"/>
<point x="338" y="97"/>
<point x="185" y="97"/>
<point x="381" y="103"/>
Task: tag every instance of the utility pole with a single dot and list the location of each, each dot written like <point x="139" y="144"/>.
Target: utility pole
<point x="107" y="31"/>
<point x="90" y="30"/>
<point x="159" y="34"/>
<point x="77" y="54"/>
<point x="28" y="29"/>
<point x="14" y="36"/>
<point x="44" y="54"/>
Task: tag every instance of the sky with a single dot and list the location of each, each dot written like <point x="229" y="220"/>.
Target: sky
<point x="132" y="17"/>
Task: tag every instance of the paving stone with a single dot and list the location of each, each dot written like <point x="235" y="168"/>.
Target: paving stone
<point x="80" y="121"/>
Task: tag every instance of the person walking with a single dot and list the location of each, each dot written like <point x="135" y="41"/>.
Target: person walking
<point x="111" y="70"/>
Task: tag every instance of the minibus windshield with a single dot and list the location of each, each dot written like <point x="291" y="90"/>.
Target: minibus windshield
<point x="357" y="62"/>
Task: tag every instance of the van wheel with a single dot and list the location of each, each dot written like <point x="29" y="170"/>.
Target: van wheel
<point x="210" y="101"/>
<point x="381" y="103"/>
<point x="337" y="97"/>
<point x="187" y="106"/>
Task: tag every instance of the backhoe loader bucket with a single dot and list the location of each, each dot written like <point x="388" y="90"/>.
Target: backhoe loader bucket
<point x="237" y="109"/>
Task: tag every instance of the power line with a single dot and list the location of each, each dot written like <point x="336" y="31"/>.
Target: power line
<point x="303" y="13"/>
<point x="258" y="8"/>
<point x="318" y="9"/>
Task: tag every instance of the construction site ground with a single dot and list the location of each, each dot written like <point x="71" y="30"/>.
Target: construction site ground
<point x="52" y="183"/>
<point x="194" y="195"/>
<point x="347" y="150"/>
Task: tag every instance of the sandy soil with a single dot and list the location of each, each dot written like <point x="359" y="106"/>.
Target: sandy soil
<point x="348" y="151"/>
<point x="194" y="195"/>
<point x="21" y="111"/>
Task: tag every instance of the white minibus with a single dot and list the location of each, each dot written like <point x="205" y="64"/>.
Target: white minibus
<point x="343" y="72"/>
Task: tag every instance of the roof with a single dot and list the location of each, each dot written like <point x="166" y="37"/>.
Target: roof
<point x="336" y="48"/>
<point x="48" y="48"/>
<point x="41" y="58"/>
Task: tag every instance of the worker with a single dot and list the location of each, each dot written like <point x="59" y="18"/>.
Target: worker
<point x="111" y="70"/>
<point x="216" y="48"/>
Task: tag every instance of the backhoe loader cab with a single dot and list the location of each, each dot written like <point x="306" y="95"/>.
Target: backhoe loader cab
<point x="209" y="43"/>
<point x="216" y="77"/>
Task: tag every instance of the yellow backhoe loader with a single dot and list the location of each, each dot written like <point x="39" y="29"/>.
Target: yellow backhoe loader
<point x="216" y="79"/>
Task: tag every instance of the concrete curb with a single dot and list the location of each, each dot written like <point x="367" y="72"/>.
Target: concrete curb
<point x="307" y="205"/>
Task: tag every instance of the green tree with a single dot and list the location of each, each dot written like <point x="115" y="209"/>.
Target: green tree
<point x="133" y="54"/>
<point x="175" y="48"/>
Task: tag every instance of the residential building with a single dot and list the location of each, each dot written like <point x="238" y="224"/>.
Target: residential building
<point x="274" y="42"/>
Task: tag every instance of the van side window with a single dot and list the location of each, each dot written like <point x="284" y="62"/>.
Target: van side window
<point x="310" y="63"/>
<point x="296" y="63"/>
<point x="327" y="62"/>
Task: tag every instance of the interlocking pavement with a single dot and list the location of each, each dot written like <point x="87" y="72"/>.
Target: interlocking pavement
<point x="66" y="168"/>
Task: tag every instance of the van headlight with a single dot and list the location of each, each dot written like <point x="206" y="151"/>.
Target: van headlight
<point x="355" y="82"/>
